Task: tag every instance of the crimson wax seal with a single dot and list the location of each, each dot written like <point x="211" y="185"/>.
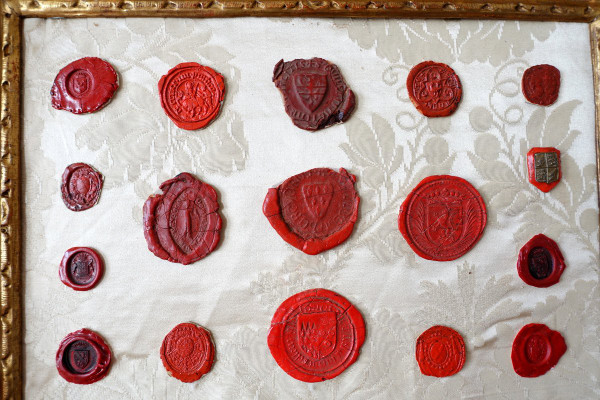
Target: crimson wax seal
<point x="314" y="92"/>
<point x="540" y="84"/>
<point x="81" y="186"/>
<point x="315" y="210"/>
<point x="536" y="349"/>
<point x="191" y="95"/>
<point x="84" y="86"/>
<point x="81" y="268"/>
<point x="442" y="218"/>
<point x="315" y="335"/>
<point x="83" y="357"/>
<point x="182" y="225"/>
<point x="440" y="351"/>
<point x="434" y="89"/>
<point x="540" y="262"/>
<point x="543" y="167"/>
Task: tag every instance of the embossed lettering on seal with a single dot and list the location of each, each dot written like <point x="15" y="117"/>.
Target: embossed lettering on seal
<point x="434" y="89"/>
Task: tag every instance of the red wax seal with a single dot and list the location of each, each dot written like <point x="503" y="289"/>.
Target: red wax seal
<point x="187" y="352"/>
<point x="536" y="349"/>
<point x="440" y="351"/>
<point x="543" y="167"/>
<point x="315" y="335"/>
<point x="81" y="186"/>
<point x="83" y="357"/>
<point x="442" y="218"/>
<point x="81" y="268"/>
<point x="314" y="92"/>
<point x="191" y="95"/>
<point x="434" y="89"/>
<point x="540" y="84"/>
<point x="540" y="262"/>
<point x="182" y="224"/>
<point x="84" y="86"/>
<point x="315" y="210"/>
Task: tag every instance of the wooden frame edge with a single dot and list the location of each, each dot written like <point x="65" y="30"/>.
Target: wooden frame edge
<point x="595" y="46"/>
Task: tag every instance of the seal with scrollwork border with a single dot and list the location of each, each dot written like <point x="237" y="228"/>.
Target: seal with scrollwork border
<point x="81" y="186"/>
<point x="83" y="357"/>
<point x="536" y="349"/>
<point x="434" y="89"/>
<point x="540" y="84"/>
<point x="440" y="351"/>
<point x="81" y="268"/>
<point x="540" y="262"/>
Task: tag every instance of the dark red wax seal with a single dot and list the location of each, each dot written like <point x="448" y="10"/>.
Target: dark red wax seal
<point x="536" y="349"/>
<point x="540" y="84"/>
<point x="442" y="218"/>
<point x="182" y="225"/>
<point x="81" y="186"/>
<point x="315" y="335"/>
<point x="84" y="86"/>
<point x="83" y="357"/>
<point x="543" y="167"/>
<point x="191" y="95"/>
<point x="81" y="268"/>
<point x="434" y="89"/>
<point x="315" y="210"/>
<point x="540" y="262"/>
<point x="187" y="352"/>
<point x="314" y="92"/>
<point x="440" y="351"/>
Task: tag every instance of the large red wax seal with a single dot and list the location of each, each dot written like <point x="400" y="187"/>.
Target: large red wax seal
<point x="81" y="268"/>
<point x="442" y="218"/>
<point x="434" y="89"/>
<point x="536" y="349"/>
<point x="543" y="167"/>
<point x="81" y="186"/>
<point x="315" y="210"/>
<point x="540" y="84"/>
<point x="84" y="86"/>
<point x="187" y="352"/>
<point x="540" y="262"/>
<point x="182" y="224"/>
<point x="83" y="357"/>
<point x="440" y="351"/>
<point x="315" y="335"/>
<point x="191" y="95"/>
<point x="314" y="92"/>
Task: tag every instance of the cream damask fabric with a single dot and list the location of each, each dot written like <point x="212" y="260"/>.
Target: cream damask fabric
<point x="253" y="146"/>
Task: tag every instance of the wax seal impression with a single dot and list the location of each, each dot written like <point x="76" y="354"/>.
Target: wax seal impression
<point x="540" y="262"/>
<point x="315" y="335"/>
<point x="541" y="84"/>
<point x="314" y="92"/>
<point x="434" y="89"/>
<point x="191" y="95"/>
<point x="81" y="186"/>
<point x="84" y="86"/>
<point x="187" y="352"/>
<point x="442" y="218"/>
<point x="182" y="225"/>
<point x="440" y="351"/>
<point x="536" y="349"/>
<point x="315" y="210"/>
<point x="81" y="268"/>
<point x="83" y="357"/>
<point x="543" y="167"/>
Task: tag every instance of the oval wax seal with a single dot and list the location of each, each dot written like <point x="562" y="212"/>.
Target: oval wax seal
<point x="315" y="335"/>
<point x="314" y="93"/>
<point x="81" y="268"/>
<point x="540" y="262"/>
<point x="440" y="351"/>
<point x="536" y="349"/>
<point x="540" y="84"/>
<point x="187" y="352"/>
<point x="442" y="218"/>
<point x="434" y="89"/>
<point x="191" y="95"/>
<point x="81" y="186"/>
<point x="315" y="210"/>
<point x="182" y="225"/>
<point x="83" y="357"/>
<point x="543" y="168"/>
<point x="84" y="86"/>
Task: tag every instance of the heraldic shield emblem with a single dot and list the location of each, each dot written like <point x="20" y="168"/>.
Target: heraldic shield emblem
<point x="311" y="89"/>
<point x="317" y="197"/>
<point x="317" y="334"/>
<point x="80" y="359"/>
<point x="444" y="221"/>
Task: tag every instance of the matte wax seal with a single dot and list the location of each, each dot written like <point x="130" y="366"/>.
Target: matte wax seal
<point x="315" y="210"/>
<point x="314" y="92"/>
<point x="540" y="262"/>
<point x="83" y="357"/>
<point x="315" y="335"/>
<point x="541" y="84"/>
<point x="191" y="95"/>
<point x="536" y="349"/>
<point x="440" y="351"/>
<point x="81" y="268"/>
<point x="543" y="167"/>
<point x="442" y="218"/>
<point x="182" y="225"/>
<point x="434" y="89"/>
<point x="81" y="186"/>
<point x="84" y="86"/>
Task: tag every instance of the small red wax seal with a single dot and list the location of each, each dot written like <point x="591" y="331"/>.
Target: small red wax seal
<point x="434" y="89"/>
<point x="540" y="262"/>
<point x="315" y="210"/>
<point x="315" y="335"/>
<point x="543" y="167"/>
<point x="440" y="351"/>
<point x="540" y="84"/>
<point x="84" y="86"/>
<point x="81" y="186"/>
<point x="182" y="225"/>
<point x="81" y="268"/>
<point x="314" y="92"/>
<point x="83" y="357"/>
<point x="442" y="218"/>
<point x="536" y="349"/>
<point x="187" y="352"/>
<point x="191" y="95"/>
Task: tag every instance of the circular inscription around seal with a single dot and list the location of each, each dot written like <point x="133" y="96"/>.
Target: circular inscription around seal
<point x="540" y="84"/>
<point x="81" y="268"/>
<point x="81" y="186"/>
<point x="536" y="349"/>
<point x="440" y="351"/>
<point x="540" y="262"/>
<point x="315" y="335"/>
<point x="434" y="89"/>
<point x="83" y="357"/>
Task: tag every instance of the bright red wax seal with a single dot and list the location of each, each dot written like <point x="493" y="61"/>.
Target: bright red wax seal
<point x="315" y="210"/>
<point x="182" y="225"/>
<point x="81" y="186"/>
<point x="536" y="349"/>
<point x="191" y="95"/>
<point x="434" y="89"/>
<point x="442" y="218"/>
<point x="81" y="268"/>
<point x="540" y="84"/>
<point x="84" y="86"/>
<point x="440" y="351"/>
<point x="315" y="335"/>
<point x="83" y="357"/>
<point x="543" y="167"/>
<point x="540" y="262"/>
<point x="187" y="352"/>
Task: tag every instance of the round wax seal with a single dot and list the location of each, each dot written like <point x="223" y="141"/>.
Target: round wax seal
<point x="83" y="357"/>
<point x="81" y="186"/>
<point x="540" y="262"/>
<point x="434" y="89"/>
<point x="315" y="335"/>
<point x="315" y="210"/>
<point x="440" y="351"/>
<point x="81" y="268"/>
<point x="540" y="84"/>
<point x="536" y="349"/>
